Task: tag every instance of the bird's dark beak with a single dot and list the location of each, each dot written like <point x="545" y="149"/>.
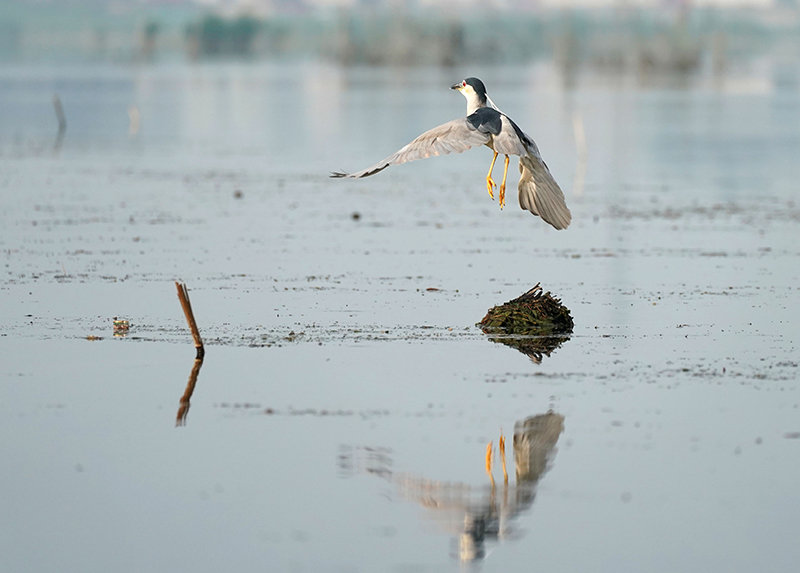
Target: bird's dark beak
<point x="456" y="86"/>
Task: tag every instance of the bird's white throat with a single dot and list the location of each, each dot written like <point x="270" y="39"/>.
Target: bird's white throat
<point x="473" y="101"/>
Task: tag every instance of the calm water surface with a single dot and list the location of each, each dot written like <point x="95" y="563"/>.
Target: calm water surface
<point x="341" y="417"/>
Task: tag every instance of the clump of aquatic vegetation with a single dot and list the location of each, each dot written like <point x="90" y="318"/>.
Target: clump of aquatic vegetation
<point x="535" y="323"/>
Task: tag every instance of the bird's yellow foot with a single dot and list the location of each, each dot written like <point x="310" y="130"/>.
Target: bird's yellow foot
<point x="503" y="184"/>
<point x="490" y="185"/>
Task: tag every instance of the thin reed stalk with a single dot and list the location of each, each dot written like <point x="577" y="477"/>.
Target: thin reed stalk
<point x="183" y="295"/>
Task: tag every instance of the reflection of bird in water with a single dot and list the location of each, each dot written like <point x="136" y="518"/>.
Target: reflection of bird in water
<point x="475" y="515"/>
<point x="534" y="442"/>
<point x="486" y="125"/>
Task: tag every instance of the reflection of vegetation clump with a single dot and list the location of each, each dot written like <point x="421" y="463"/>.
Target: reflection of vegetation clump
<point x="535" y="323"/>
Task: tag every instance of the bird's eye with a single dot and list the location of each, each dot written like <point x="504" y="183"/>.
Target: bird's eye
<point x="463" y="84"/>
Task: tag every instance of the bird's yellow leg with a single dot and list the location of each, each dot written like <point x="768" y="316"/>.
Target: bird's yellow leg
<point x="489" y="452"/>
<point x="490" y="185"/>
<point x="502" y="447"/>
<point x="503" y="185"/>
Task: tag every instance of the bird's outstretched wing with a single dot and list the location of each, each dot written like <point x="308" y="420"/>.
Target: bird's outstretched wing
<point x="538" y="191"/>
<point x="452" y="137"/>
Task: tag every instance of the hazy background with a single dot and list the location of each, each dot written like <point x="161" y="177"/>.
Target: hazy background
<point x="643" y="37"/>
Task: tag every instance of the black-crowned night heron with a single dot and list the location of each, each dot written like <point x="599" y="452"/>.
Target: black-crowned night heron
<point x="486" y="125"/>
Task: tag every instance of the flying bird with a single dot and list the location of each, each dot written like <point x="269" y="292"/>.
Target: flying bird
<point x="486" y="125"/>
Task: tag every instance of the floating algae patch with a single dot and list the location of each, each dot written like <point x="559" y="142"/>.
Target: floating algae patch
<point x="535" y="323"/>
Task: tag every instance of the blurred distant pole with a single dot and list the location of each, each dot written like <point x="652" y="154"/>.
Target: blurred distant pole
<point x="133" y="121"/>
<point x="583" y="154"/>
<point x="62" y="122"/>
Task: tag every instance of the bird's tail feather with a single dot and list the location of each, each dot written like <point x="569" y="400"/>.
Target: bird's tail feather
<point x="540" y="194"/>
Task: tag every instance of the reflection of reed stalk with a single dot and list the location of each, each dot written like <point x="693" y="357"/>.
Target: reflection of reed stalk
<point x="183" y="410"/>
<point x="183" y="295"/>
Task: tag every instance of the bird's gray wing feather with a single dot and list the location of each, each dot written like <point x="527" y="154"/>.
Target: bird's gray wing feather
<point x="452" y="137"/>
<point x="538" y="191"/>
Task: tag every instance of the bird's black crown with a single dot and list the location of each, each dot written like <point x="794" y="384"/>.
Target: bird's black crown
<point x="478" y="86"/>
